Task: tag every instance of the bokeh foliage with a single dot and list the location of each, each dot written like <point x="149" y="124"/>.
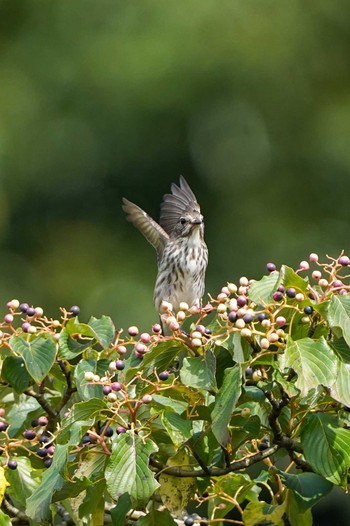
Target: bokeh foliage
<point x="249" y="100"/>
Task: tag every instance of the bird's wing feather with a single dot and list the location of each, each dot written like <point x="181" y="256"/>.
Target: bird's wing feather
<point x="182" y="200"/>
<point x="146" y="225"/>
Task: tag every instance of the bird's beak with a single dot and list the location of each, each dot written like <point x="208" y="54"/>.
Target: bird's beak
<point x="196" y="222"/>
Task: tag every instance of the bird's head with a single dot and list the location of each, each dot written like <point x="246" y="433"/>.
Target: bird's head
<point x="189" y="224"/>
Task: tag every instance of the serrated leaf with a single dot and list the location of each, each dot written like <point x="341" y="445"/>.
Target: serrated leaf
<point x="337" y="313"/>
<point x="313" y="361"/>
<point x="308" y="488"/>
<point x="225" y="402"/>
<point x="340" y="390"/>
<point x="263" y="513"/>
<point x="85" y="389"/>
<point x="177" y="492"/>
<point x="104" y="330"/>
<point x="155" y="518"/>
<point x="261" y="291"/>
<point x="127" y="469"/>
<point x="161" y="357"/>
<point x="15" y="373"/>
<point x="81" y="412"/>
<point x="38" y="504"/>
<point x="326" y="446"/>
<point x="289" y="278"/>
<point x="179" y="429"/>
<point x="178" y="406"/>
<point x="18" y="413"/>
<point x="23" y="482"/>
<point x="38" y="354"/>
<point x="199" y="372"/>
<point x="69" y="345"/>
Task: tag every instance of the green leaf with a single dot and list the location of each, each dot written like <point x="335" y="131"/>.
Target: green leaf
<point x="178" y="406"/>
<point x="177" y="492"/>
<point x="85" y="389"/>
<point x="225" y="402"/>
<point x="290" y="278"/>
<point x="38" y="504"/>
<point x="104" y="330"/>
<point x="308" y="488"/>
<point x="340" y="390"/>
<point x="337" y="313"/>
<point x="199" y="372"/>
<point x="18" y="413"/>
<point x="81" y="412"/>
<point x="38" y="354"/>
<point x="313" y="361"/>
<point x="155" y="518"/>
<point x="296" y="515"/>
<point x="179" y="429"/>
<point x="261" y="291"/>
<point x="127" y="469"/>
<point x="120" y="511"/>
<point x="263" y="513"/>
<point x="69" y="344"/>
<point x="238" y="484"/>
<point x="326" y="446"/>
<point x="23" y="482"/>
<point x="5" y="520"/>
<point x="15" y="373"/>
<point x="161" y="357"/>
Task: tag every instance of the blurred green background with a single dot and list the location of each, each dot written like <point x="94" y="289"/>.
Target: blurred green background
<point x="249" y="100"/>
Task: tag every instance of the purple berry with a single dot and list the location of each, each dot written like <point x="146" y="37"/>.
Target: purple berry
<point x="107" y="432"/>
<point x="34" y="423"/>
<point x="232" y="316"/>
<point x="106" y="389"/>
<point x="281" y="288"/>
<point x="139" y="355"/>
<point x="277" y="296"/>
<point x="8" y="318"/>
<point x="262" y="316"/>
<point x="344" y="261"/>
<point x="47" y="462"/>
<point x="29" y="434"/>
<point x="43" y="439"/>
<point x="133" y="331"/>
<point x="189" y="521"/>
<point x="248" y="318"/>
<point x="270" y="267"/>
<point x="262" y="446"/>
<point x="43" y="421"/>
<point x="75" y="310"/>
<point x="337" y="284"/>
<point x="140" y="348"/>
<point x="50" y="450"/>
<point x="30" y="311"/>
<point x="42" y="452"/>
<point x="241" y="301"/>
<point x="291" y="293"/>
<point x="164" y="375"/>
<point x="3" y="426"/>
<point x="145" y="337"/>
<point x="116" y="386"/>
<point x="156" y="328"/>
<point x="86" y="440"/>
<point x="23" y="307"/>
<point x="308" y="309"/>
<point x="25" y="326"/>
<point x="12" y="464"/>
<point x="120" y="365"/>
<point x="281" y="321"/>
<point x="120" y="429"/>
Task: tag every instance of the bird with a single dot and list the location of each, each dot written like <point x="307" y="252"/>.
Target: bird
<point x="178" y="238"/>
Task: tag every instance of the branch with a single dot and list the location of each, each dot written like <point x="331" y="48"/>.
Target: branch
<point x="52" y="413"/>
<point x="236" y="465"/>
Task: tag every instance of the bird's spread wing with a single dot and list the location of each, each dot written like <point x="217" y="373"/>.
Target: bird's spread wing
<point x="147" y="226"/>
<point x="182" y="200"/>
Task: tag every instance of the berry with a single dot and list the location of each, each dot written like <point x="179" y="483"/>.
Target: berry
<point x="147" y="399"/>
<point x="120" y="429"/>
<point x="197" y="342"/>
<point x="308" y="309"/>
<point x="42" y="452"/>
<point x="112" y="397"/>
<point x="107" y="432"/>
<point x="25" y="326"/>
<point x="32" y="329"/>
<point x="43" y="439"/>
<point x="145" y="337"/>
<point x="281" y="320"/>
<point x="200" y="328"/>
<point x="243" y="281"/>
<point x="262" y="446"/>
<point x="241" y="301"/>
<point x="120" y="365"/>
<point x="3" y="426"/>
<point x="13" y="304"/>
<point x="47" y="462"/>
<point x="248" y="372"/>
<point x="86" y="439"/>
<point x="245" y="413"/>
<point x="262" y="316"/>
<point x="248" y="318"/>
<point x="313" y="258"/>
<point x="106" y="389"/>
<point x="133" y="331"/>
<point x="304" y="265"/>
<point x="337" y="284"/>
<point x="277" y="296"/>
<point x="34" y="423"/>
<point x="316" y="275"/>
<point x="140" y="348"/>
<point x="264" y="343"/>
<point x="116" y="386"/>
<point x="8" y="318"/>
<point x="344" y="261"/>
<point x="291" y="293"/>
<point x="300" y="296"/>
<point x="43" y="421"/>
<point x="23" y="307"/>
<point x="189" y="521"/>
<point x="207" y="330"/>
<point x="121" y="349"/>
<point x="50" y="450"/>
<point x="29" y="434"/>
<point x="232" y="316"/>
<point x="164" y="375"/>
<point x="156" y="328"/>
<point x="270" y="267"/>
<point x="89" y="376"/>
<point x="30" y="311"/>
<point x="74" y="310"/>
<point x="12" y="464"/>
<point x="39" y="312"/>
<point x="281" y="288"/>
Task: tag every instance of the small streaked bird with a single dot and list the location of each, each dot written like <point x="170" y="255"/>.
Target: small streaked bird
<point x="182" y="254"/>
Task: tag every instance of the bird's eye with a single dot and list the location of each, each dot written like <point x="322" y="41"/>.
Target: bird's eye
<point x="182" y="220"/>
